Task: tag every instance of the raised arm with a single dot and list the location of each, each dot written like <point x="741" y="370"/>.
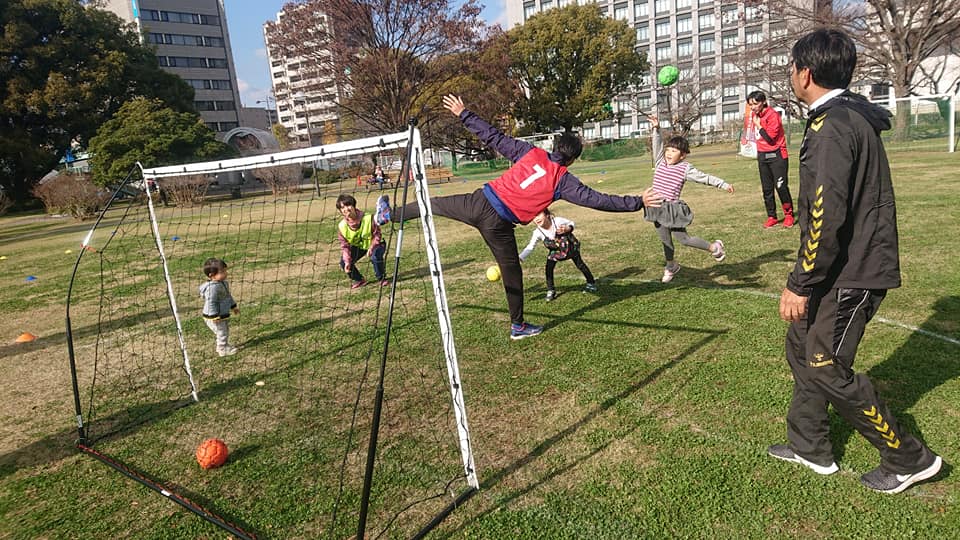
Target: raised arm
<point x="507" y="146"/>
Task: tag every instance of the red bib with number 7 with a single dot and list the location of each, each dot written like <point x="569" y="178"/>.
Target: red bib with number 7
<point x="529" y="186"/>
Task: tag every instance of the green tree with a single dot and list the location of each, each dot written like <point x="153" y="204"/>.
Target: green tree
<point x="572" y="61"/>
<point x="146" y="131"/>
<point x="64" y="70"/>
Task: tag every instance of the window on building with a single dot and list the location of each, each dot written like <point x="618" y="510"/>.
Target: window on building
<point x="226" y="105"/>
<point x="643" y="33"/>
<point x="731" y="92"/>
<point x="217" y="63"/>
<point x="728" y="16"/>
<point x="708" y="121"/>
<point x="778" y="30"/>
<point x="220" y="85"/>
<point x="686" y="72"/>
<point x="705" y="21"/>
<point x="227" y="126"/>
<point x="730" y="68"/>
<point x="779" y="59"/>
<point x="684" y="48"/>
<point x="683" y="4"/>
<point x="663" y="53"/>
<point x="662" y="28"/>
<point x="707" y="44"/>
<point x="624" y="131"/>
<point x="729" y="42"/>
<point x="276" y="63"/>
<point x="621" y="12"/>
<point x="202" y="106"/>
<point x="708" y="71"/>
<point x="546" y="4"/>
<point x="661" y="6"/>
<point x="644" y="102"/>
<point x="640" y="10"/>
<point x="752" y="12"/>
<point x="708" y="94"/>
<point x="529" y="10"/>
<point x="731" y="116"/>
<point x="684" y="24"/>
<point x="753" y="36"/>
<point x="589" y="132"/>
<point x="606" y="132"/>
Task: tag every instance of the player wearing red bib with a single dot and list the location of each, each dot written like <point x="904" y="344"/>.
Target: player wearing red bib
<point x="536" y="179"/>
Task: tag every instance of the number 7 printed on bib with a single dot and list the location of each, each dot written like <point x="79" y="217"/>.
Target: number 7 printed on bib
<point x="538" y="173"/>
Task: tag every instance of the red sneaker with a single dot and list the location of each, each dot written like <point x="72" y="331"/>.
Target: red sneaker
<point x="788" y="221"/>
<point x="358" y="284"/>
<point x="772" y="222"/>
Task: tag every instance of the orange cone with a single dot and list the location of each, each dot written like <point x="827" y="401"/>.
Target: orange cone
<point x="26" y="337"/>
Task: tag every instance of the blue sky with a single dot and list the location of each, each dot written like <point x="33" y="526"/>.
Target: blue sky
<point x="245" y="22"/>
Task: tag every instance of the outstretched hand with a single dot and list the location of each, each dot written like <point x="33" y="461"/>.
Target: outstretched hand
<point x="651" y="199"/>
<point x="453" y="104"/>
<point x="654" y="121"/>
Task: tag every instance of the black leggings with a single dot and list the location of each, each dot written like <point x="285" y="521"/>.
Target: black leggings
<point x="773" y="178"/>
<point x="577" y="260"/>
<point x="475" y="210"/>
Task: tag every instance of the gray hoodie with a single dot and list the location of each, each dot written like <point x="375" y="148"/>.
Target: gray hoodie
<point x="217" y="300"/>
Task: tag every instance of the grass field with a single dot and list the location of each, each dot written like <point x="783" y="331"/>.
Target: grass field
<point x="641" y="412"/>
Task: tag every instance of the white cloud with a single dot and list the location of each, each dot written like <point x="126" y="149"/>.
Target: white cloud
<point x="260" y="53"/>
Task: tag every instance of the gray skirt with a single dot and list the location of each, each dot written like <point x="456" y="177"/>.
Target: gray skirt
<point x="671" y="214"/>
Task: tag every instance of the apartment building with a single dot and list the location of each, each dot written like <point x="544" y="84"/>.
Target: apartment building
<point x="192" y="41"/>
<point x="722" y="48"/>
<point x="306" y="99"/>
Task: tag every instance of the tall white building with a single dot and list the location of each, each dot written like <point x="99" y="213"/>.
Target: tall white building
<point x="192" y="42"/>
<point x="306" y="99"/>
<point x="720" y="47"/>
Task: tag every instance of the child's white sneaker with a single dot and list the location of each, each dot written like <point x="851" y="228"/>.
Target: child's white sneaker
<point x="669" y="271"/>
<point x="229" y="350"/>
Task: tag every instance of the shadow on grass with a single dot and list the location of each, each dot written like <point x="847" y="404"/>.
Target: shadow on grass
<point x="542" y="448"/>
<point x="916" y="368"/>
<point x="742" y="273"/>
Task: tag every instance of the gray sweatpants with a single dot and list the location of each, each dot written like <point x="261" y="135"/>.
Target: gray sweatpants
<point x="666" y="236"/>
<point x="220" y="328"/>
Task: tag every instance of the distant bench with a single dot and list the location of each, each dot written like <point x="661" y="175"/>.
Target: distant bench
<point x="435" y="175"/>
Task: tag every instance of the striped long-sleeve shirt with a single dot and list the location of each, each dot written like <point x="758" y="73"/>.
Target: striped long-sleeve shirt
<point x="668" y="180"/>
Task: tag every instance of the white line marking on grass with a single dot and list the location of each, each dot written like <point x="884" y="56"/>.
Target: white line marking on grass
<point x="883" y="320"/>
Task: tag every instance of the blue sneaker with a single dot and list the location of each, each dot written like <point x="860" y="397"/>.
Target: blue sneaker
<point x="382" y="215"/>
<point x="525" y="330"/>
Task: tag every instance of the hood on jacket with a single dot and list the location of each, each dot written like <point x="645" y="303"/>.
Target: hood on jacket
<point x="877" y="116"/>
<point x="206" y="285"/>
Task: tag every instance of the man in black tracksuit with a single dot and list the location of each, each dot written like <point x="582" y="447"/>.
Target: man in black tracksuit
<point x="848" y="258"/>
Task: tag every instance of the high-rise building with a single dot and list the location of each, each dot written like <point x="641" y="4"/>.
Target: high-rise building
<point x="192" y="41"/>
<point x="306" y="98"/>
<point x="721" y="47"/>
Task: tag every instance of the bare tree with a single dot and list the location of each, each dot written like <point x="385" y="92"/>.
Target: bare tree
<point x="898" y="35"/>
<point x="386" y="62"/>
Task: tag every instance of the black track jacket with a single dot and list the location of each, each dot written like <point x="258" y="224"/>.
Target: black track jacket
<point x="848" y="218"/>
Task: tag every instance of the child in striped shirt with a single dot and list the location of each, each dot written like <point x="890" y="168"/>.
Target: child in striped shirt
<point x="673" y="216"/>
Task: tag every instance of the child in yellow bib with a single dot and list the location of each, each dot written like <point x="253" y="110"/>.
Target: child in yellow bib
<point x="359" y="235"/>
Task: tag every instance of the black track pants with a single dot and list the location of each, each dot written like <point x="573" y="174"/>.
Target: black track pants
<point x="821" y="351"/>
<point x="773" y="178"/>
<point x="475" y="210"/>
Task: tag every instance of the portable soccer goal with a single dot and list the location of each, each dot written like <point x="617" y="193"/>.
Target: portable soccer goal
<point x="343" y="409"/>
